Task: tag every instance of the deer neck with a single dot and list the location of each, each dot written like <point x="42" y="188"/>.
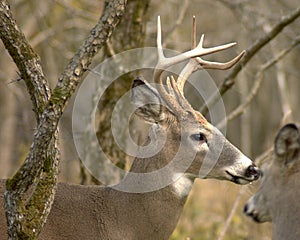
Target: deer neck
<point x="166" y="188"/>
<point x="286" y="209"/>
<point x="156" y="206"/>
<point x="164" y="146"/>
<point x="156" y="212"/>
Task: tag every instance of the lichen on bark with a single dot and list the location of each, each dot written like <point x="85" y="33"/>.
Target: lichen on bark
<point x="131" y="34"/>
<point x="30" y="192"/>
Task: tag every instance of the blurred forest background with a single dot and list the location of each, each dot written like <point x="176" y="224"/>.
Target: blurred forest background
<point x="55" y="28"/>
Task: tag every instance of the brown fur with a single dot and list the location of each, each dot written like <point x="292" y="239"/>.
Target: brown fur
<point x="94" y="212"/>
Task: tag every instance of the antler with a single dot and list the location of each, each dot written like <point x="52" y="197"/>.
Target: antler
<point x="175" y="89"/>
<point x="198" y="63"/>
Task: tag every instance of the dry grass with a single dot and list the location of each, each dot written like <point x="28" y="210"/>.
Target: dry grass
<point x="207" y="209"/>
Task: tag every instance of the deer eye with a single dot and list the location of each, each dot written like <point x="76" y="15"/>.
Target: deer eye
<point x="199" y="137"/>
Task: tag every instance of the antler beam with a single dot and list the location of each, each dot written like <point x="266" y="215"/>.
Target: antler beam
<point x="194" y="54"/>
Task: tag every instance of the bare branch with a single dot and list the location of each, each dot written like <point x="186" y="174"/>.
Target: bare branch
<point x="250" y="52"/>
<point x="75" y="11"/>
<point x="27" y="61"/>
<point x="281" y="82"/>
<point x="264" y="156"/>
<point x="259" y="77"/>
<point x="47" y="33"/>
<point x="179" y="20"/>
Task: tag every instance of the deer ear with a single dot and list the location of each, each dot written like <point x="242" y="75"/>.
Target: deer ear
<point x="287" y="144"/>
<point x="146" y="99"/>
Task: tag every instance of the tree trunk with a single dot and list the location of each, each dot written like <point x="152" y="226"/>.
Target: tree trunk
<point x="130" y="35"/>
<point x="30" y="193"/>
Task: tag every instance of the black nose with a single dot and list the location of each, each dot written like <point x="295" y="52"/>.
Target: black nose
<point x="246" y="208"/>
<point x="252" y="171"/>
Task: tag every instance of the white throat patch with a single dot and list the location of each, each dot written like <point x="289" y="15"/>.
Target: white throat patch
<point x="182" y="185"/>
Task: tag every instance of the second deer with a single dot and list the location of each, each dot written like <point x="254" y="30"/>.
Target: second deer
<point x="95" y="212"/>
<point x="278" y="197"/>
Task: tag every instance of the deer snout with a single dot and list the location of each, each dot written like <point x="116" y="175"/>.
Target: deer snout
<point x="256" y="208"/>
<point x="258" y="215"/>
<point x="243" y="172"/>
<point x="252" y="172"/>
<point x="250" y="212"/>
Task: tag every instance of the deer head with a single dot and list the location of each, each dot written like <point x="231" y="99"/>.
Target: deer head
<point x="278" y="196"/>
<point x="199" y="148"/>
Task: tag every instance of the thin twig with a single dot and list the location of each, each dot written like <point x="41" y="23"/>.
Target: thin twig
<point x="232" y="212"/>
<point x="46" y="34"/>
<point x="26" y="59"/>
<point x="74" y="11"/>
<point x="282" y="86"/>
<point x="264" y="156"/>
<point x="180" y="18"/>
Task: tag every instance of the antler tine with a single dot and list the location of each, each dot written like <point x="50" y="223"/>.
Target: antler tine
<point x="198" y="63"/>
<point x="158" y="40"/>
<point x="206" y="51"/>
<point x="160" y="67"/>
<point x="179" y="96"/>
<point x="164" y="62"/>
<point x="188" y="69"/>
<point x="194" y="36"/>
<point x="217" y="65"/>
<point x="169" y="86"/>
<point x="194" y="64"/>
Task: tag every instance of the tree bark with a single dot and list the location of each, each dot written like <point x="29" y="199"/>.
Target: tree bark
<point x="28" y="204"/>
<point x="130" y="35"/>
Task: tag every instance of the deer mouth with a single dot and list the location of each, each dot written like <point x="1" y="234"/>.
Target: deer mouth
<point x="255" y="217"/>
<point x="252" y="173"/>
<point x="254" y="214"/>
<point x="242" y="180"/>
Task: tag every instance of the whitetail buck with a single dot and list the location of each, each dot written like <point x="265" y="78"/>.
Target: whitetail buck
<point x="95" y="212"/>
<point x="278" y="197"/>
